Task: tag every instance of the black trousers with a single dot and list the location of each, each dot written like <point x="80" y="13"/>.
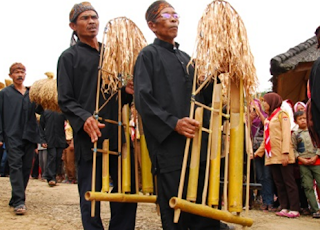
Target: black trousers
<point x="123" y="215"/>
<point x="168" y="184"/>
<point x="20" y="162"/>
<point x="35" y="166"/>
<point x="287" y="189"/>
<point x="53" y="163"/>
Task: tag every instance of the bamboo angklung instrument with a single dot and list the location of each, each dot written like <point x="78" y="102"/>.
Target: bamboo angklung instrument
<point x="222" y="53"/>
<point x="122" y="42"/>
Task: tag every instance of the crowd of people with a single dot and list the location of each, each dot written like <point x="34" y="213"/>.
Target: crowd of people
<point x="290" y="160"/>
<point x="58" y="147"/>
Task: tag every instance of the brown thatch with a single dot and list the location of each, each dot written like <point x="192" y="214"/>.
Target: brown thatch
<point x="305" y="52"/>
<point x="291" y="70"/>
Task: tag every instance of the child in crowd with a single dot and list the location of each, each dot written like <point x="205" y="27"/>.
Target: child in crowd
<point x="308" y="159"/>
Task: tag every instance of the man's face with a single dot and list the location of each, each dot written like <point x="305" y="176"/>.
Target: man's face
<point x="18" y="76"/>
<point x="166" y="25"/>
<point x="87" y="24"/>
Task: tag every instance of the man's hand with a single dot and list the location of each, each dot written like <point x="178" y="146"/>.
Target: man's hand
<point x="92" y="128"/>
<point x="187" y="127"/>
<point x="44" y="145"/>
<point x="285" y="159"/>
<point x="129" y="87"/>
<point x="1" y="143"/>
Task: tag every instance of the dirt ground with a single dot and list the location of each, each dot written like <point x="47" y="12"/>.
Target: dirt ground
<point x="57" y="208"/>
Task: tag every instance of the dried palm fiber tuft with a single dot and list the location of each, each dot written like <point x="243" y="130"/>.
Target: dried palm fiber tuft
<point x="44" y="92"/>
<point x="222" y="46"/>
<point x="50" y="75"/>
<point x="124" y="40"/>
<point x="8" y="82"/>
<point x="2" y="85"/>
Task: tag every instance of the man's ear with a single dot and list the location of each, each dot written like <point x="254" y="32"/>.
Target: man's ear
<point x="152" y="26"/>
<point x="72" y="26"/>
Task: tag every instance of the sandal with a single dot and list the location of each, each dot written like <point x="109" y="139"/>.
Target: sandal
<point x="316" y="214"/>
<point x="292" y="214"/>
<point x="20" y="209"/>
<point x="283" y="212"/>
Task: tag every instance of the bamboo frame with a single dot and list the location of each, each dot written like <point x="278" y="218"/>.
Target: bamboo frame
<point x="123" y="153"/>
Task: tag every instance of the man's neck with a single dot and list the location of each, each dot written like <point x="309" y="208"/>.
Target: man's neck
<point x="21" y="88"/>
<point x="93" y="42"/>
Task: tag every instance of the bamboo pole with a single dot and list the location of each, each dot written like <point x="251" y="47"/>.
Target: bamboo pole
<point x="206" y="180"/>
<point x="119" y="134"/>
<point x="186" y="151"/>
<point x="95" y="146"/>
<point x="205" y="211"/>
<point x="236" y="148"/>
<point x="136" y="163"/>
<point x="195" y="159"/>
<point x="120" y="197"/>
<point x="227" y="148"/>
<point x="105" y="167"/>
<point x="126" y="156"/>
<point x="215" y="160"/>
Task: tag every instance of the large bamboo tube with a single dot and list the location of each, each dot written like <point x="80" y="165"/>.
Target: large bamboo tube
<point x="105" y="166"/>
<point x="146" y="175"/>
<point x="206" y="211"/>
<point x="214" y="180"/>
<point x="126" y="159"/>
<point x="195" y="158"/>
<point x="236" y="148"/>
<point x="120" y="197"/>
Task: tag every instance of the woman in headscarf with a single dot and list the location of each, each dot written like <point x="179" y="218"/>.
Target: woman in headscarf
<point x="279" y="155"/>
<point x="263" y="174"/>
<point x="299" y="106"/>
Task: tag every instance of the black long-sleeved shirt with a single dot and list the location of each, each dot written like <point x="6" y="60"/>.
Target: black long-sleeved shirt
<point x="163" y="89"/>
<point x="77" y="76"/>
<point x="17" y="118"/>
<point x="52" y="124"/>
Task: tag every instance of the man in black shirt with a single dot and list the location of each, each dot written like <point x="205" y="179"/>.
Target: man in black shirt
<point x="77" y="87"/>
<point x="52" y="124"/>
<point x="19" y="131"/>
<point x="163" y="84"/>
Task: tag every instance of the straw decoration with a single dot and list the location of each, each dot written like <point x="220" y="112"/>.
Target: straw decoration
<point x="44" y="92"/>
<point x="222" y="47"/>
<point x="2" y="85"/>
<point x="8" y="82"/>
<point x="124" y="41"/>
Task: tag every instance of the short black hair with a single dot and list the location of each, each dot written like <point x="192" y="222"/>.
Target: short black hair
<point x="298" y="114"/>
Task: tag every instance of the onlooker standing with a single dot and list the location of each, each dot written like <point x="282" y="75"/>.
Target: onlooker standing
<point x="77" y="90"/>
<point x="52" y="124"/>
<point x="19" y="130"/>
<point x="278" y="150"/>
<point x="308" y="159"/>
<point x="263" y="172"/>
<point x="43" y="153"/>
<point x="68" y="157"/>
